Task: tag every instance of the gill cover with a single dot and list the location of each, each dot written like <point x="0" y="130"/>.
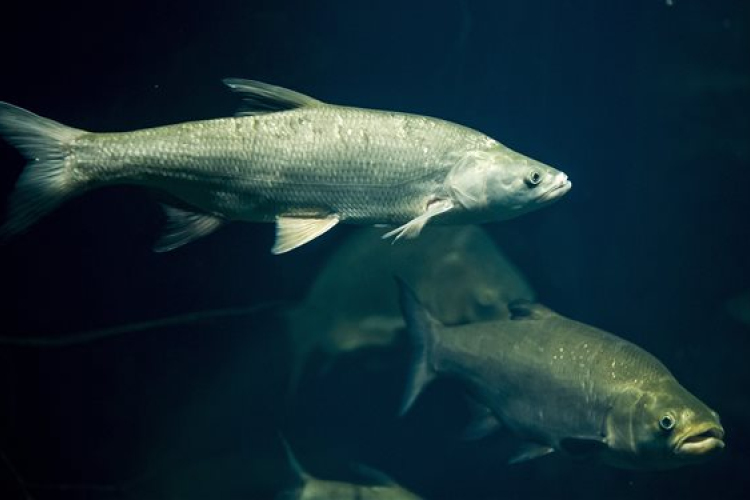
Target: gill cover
<point x="467" y="181"/>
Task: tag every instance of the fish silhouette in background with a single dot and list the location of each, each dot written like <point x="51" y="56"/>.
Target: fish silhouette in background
<point x="352" y="306"/>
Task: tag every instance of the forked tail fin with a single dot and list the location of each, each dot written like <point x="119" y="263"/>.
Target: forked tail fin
<point x="421" y="328"/>
<point x="44" y="184"/>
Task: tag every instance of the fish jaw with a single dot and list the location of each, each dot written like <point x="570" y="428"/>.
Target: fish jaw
<point x="558" y="189"/>
<point x="704" y="443"/>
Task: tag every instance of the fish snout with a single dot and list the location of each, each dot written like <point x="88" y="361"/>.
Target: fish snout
<point x="560" y="185"/>
<point x="706" y="442"/>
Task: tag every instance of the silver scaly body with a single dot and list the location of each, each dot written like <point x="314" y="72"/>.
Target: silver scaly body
<point x="366" y="166"/>
<point x="289" y="159"/>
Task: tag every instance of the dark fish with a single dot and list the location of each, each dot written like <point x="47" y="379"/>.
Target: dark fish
<point x="457" y="270"/>
<point x="561" y="385"/>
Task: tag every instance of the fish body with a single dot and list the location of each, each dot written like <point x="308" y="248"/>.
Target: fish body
<point x="340" y="317"/>
<point x="565" y="386"/>
<point x="290" y="159"/>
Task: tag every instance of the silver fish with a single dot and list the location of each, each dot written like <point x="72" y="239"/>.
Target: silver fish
<point x="564" y="386"/>
<point x="288" y="159"/>
<point x="308" y="487"/>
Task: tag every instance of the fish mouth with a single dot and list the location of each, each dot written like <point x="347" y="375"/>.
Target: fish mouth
<point x="560" y="187"/>
<point x="709" y="441"/>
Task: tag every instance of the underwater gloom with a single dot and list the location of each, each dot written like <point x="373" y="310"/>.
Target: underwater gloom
<point x="333" y="251"/>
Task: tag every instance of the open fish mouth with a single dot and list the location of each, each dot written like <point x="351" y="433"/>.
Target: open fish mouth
<point x="709" y="441"/>
<point x="561" y="186"/>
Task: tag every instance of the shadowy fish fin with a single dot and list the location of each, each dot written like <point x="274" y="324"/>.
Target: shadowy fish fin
<point x="299" y="475"/>
<point x="523" y="309"/>
<point x="260" y="98"/>
<point x="582" y="446"/>
<point x="183" y="227"/>
<point x="291" y="494"/>
<point x="293" y="232"/>
<point x="46" y="182"/>
<point x="412" y="228"/>
<point x="483" y="422"/>
<point x="530" y="451"/>
<point x="373" y="475"/>
<point x="421" y="328"/>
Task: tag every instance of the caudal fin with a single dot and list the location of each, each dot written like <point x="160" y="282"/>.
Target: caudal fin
<point x="44" y="183"/>
<point x="421" y="328"/>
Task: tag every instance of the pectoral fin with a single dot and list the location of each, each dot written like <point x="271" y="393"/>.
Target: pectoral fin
<point x="582" y="447"/>
<point x="293" y="232"/>
<point x="483" y="422"/>
<point x="530" y="451"/>
<point x="183" y="227"/>
<point x="412" y="228"/>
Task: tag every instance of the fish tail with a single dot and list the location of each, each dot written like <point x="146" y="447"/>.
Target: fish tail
<point x="45" y="183"/>
<point x="421" y="327"/>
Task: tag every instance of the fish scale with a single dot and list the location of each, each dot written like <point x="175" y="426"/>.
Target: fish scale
<point x="291" y="159"/>
<point x="282" y="164"/>
<point x="561" y="385"/>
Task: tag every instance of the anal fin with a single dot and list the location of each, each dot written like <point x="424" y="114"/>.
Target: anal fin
<point x="483" y="422"/>
<point x="293" y="232"/>
<point x="183" y="227"/>
<point x="530" y="451"/>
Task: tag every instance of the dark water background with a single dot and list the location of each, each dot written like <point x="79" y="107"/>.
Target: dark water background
<point x="644" y="104"/>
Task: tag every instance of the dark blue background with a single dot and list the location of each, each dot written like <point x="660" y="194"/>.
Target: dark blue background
<point x="642" y="103"/>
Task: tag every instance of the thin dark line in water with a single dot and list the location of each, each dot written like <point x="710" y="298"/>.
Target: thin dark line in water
<point x="16" y="475"/>
<point x="103" y="333"/>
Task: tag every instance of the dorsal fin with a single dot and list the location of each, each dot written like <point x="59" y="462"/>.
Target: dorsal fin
<point x="523" y="309"/>
<point x="421" y="328"/>
<point x="299" y="475"/>
<point x="260" y="98"/>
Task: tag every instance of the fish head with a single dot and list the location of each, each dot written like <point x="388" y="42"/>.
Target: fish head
<point x="504" y="184"/>
<point x="669" y="428"/>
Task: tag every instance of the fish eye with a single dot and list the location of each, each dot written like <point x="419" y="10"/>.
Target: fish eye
<point x="667" y="422"/>
<point x="533" y="178"/>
